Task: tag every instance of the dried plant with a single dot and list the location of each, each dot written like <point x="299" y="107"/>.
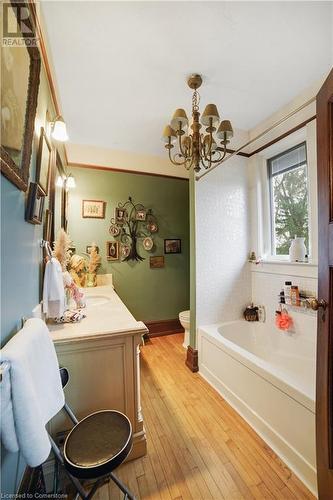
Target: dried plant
<point x="94" y="259"/>
<point x="61" y="248"/>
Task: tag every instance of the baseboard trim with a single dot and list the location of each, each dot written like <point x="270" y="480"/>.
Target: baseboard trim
<point x="164" y="327"/>
<point x="192" y="359"/>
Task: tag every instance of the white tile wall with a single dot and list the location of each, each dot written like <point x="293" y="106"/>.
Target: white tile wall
<point x="266" y="287"/>
<point x="222" y="243"/>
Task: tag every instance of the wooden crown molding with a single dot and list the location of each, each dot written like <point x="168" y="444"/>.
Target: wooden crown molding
<point x="124" y="170"/>
<point x="43" y="51"/>
<point x="282" y="136"/>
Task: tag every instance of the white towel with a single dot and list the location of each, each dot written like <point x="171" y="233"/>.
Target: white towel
<point x="53" y="290"/>
<point x="36" y="389"/>
<point x="7" y="428"/>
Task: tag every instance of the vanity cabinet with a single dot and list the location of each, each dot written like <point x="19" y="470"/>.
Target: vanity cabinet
<point x="102" y="354"/>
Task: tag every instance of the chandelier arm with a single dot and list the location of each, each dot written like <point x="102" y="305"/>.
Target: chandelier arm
<point x="209" y="157"/>
<point x="204" y="159"/>
<point x="181" y="147"/>
<point x="221" y="156"/>
<point x="173" y="160"/>
<point x="189" y="163"/>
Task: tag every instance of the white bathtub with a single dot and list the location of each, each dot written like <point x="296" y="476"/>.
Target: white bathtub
<point x="269" y="378"/>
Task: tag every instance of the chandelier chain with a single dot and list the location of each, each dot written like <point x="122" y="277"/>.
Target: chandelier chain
<point x="195" y="100"/>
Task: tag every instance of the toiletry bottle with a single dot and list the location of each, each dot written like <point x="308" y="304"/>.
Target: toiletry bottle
<point x="287" y="292"/>
<point x="295" y="301"/>
<point x="282" y="301"/>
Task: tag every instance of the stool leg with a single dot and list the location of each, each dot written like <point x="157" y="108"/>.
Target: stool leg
<point x="122" y="487"/>
<point x="55" y="477"/>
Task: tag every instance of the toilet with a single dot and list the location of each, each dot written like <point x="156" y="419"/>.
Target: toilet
<point x="184" y="318"/>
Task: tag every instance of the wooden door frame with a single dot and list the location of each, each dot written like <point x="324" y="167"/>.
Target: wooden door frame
<point x="324" y="378"/>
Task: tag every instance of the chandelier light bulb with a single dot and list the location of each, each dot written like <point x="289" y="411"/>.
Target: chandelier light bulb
<point x="179" y="120"/>
<point x="168" y="134"/>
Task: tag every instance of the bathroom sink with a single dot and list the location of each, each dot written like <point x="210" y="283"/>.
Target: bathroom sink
<point x="97" y="300"/>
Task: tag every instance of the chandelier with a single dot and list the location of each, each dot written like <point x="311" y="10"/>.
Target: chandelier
<point x="195" y="148"/>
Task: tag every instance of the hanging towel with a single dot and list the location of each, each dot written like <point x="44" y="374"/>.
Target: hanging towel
<point x="7" y="428"/>
<point x="36" y="389"/>
<point x="53" y="290"/>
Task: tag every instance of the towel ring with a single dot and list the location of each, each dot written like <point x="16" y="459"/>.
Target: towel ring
<point x="45" y="244"/>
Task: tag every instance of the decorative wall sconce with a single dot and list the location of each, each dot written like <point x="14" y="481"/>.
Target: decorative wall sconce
<point x="67" y="182"/>
<point x="59" y="129"/>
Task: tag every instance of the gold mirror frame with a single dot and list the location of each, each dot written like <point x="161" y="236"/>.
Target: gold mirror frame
<point x="19" y="175"/>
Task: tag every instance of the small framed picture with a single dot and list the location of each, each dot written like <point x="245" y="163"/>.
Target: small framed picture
<point x="112" y="250"/>
<point x="141" y="215"/>
<point x="156" y="262"/>
<point x="93" y="209"/>
<point x="120" y="215"/>
<point x="89" y="247"/>
<point x="35" y="204"/>
<point x="172" y="246"/>
<point x="43" y="162"/>
<point x="124" y="251"/>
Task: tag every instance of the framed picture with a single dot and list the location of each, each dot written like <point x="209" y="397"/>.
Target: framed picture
<point x="124" y="250"/>
<point x="47" y="233"/>
<point x="35" y="204"/>
<point x="112" y="250"/>
<point x="172" y="246"/>
<point x="120" y="215"/>
<point x="156" y="262"/>
<point x="43" y="162"/>
<point x="141" y="215"/>
<point x="93" y="209"/>
<point x="19" y="91"/>
<point x="89" y="247"/>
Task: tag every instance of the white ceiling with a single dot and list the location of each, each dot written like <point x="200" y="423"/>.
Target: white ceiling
<point x="120" y="67"/>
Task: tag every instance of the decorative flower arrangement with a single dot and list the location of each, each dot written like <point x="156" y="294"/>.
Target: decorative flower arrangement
<point x="93" y="265"/>
<point x="94" y="259"/>
<point x="61" y="249"/>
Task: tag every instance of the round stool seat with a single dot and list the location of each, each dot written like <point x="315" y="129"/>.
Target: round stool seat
<point x="98" y="444"/>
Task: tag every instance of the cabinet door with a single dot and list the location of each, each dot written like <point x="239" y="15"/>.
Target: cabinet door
<point x="101" y="377"/>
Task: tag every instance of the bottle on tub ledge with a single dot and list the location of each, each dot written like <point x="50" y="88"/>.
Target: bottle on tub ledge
<point x="297" y="250"/>
<point x="290" y="295"/>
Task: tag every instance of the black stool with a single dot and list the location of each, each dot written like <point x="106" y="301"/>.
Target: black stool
<point x="94" y="447"/>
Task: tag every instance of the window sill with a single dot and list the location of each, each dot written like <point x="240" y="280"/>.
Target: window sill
<point x="287" y="263"/>
<point x="286" y="268"/>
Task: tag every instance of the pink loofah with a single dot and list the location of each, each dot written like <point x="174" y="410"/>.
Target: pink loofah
<point x="283" y="320"/>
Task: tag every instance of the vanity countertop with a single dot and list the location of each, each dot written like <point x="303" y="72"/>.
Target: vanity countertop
<point x="106" y="314"/>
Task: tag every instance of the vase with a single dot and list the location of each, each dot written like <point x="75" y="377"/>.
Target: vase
<point x="297" y="250"/>
<point x="91" y="279"/>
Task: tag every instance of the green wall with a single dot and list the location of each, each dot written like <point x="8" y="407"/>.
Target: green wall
<point x="150" y="294"/>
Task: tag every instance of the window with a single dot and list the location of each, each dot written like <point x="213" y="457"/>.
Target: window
<point x="288" y="182"/>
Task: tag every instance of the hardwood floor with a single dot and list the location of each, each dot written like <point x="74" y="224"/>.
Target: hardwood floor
<point x="198" y="446"/>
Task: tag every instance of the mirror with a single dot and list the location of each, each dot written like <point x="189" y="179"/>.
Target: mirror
<point x="60" y="199"/>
